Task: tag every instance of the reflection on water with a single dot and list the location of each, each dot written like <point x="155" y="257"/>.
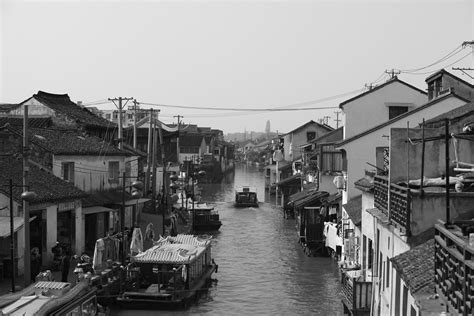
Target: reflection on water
<point x="262" y="268"/>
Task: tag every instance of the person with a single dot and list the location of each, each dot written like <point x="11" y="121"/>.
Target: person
<point x="35" y="263"/>
<point x="65" y="263"/>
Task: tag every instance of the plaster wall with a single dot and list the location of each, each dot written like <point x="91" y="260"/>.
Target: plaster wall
<point x="91" y="173"/>
<point x="362" y="150"/>
<point x="356" y="118"/>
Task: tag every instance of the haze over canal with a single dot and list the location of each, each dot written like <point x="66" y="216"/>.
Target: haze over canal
<point x="262" y="268"/>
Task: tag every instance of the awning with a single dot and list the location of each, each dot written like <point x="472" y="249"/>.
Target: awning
<point x="136" y="201"/>
<point x="311" y="199"/>
<point x="294" y="179"/>
<point x="96" y="209"/>
<point x="354" y="209"/>
<point x="5" y="225"/>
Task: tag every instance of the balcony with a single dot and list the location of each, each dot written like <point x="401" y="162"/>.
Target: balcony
<point x="400" y="203"/>
<point x="357" y="292"/>
<point x="454" y="265"/>
<point x="413" y="212"/>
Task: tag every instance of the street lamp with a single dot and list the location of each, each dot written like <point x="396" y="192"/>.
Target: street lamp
<point x="26" y="196"/>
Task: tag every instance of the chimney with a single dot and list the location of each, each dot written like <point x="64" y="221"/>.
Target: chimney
<point x="79" y="103"/>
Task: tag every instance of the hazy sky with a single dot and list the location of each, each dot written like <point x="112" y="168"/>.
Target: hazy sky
<point x="226" y="54"/>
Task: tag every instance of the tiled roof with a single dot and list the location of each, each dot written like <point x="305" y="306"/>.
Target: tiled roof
<point x="70" y="142"/>
<point x="364" y="184"/>
<point x="61" y="103"/>
<point x="39" y="122"/>
<point x="381" y="216"/>
<point x="311" y="198"/>
<point x="335" y="197"/>
<point x="5" y="107"/>
<point x="190" y="140"/>
<point x="47" y="187"/>
<point x="327" y="127"/>
<point x="354" y="209"/>
<point x="296" y="178"/>
<point x="416" y="267"/>
<point x="453" y="115"/>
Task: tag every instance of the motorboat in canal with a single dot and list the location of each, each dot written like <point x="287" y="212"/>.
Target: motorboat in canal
<point x="205" y="218"/>
<point x="170" y="274"/>
<point x="246" y="197"/>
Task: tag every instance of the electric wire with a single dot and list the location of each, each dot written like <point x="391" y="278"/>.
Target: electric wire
<point x="430" y="72"/>
<point x="449" y="55"/>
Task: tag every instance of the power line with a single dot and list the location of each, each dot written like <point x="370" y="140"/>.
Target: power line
<point x="449" y="55"/>
<point x="274" y="109"/>
<point x="430" y="72"/>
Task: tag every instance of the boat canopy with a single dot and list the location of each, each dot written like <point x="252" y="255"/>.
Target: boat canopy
<point x="246" y="189"/>
<point x="180" y="249"/>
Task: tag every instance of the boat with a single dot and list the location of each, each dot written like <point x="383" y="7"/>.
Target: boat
<point x="205" y="218"/>
<point x="53" y="298"/>
<point x="170" y="274"/>
<point x="246" y="196"/>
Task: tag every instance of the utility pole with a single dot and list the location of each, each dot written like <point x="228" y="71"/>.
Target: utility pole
<point x="150" y="153"/>
<point x="337" y="120"/>
<point x="393" y="73"/>
<point x="26" y="210"/>
<point x="135" y="103"/>
<point x="120" y="107"/>
<point x="325" y="119"/>
<point x="177" y="140"/>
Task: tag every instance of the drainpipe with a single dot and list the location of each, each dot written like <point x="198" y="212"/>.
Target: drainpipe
<point x="446" y="139"/>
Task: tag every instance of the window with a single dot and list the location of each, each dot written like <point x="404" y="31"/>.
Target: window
<point x="216" y="151"/>
<point x="67" y="171"/>
<point x="370" y="254"/>
<point x="310" y="135"/>
<point x="364" y="251"/>
<point x="115" y="115"/>
<point x="107" y="116"/>
<point x="394" y="111"/>
<point x="114" y="170"/>
<point x="387" y="274"/>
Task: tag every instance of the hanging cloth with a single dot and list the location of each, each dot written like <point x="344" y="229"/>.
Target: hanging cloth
<point x="136" y="246"/>
<point x="98" y="254"/>
<point x="149" y="232"/>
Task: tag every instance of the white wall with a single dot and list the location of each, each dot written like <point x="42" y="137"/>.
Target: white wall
<point x="362" y="150"/>
<point x="376" y="103"/>
<point x="91" y="173"/>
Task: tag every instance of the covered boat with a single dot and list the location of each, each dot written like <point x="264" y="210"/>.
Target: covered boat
<point x="246" y="196"/>
<point x="169" y="274"/>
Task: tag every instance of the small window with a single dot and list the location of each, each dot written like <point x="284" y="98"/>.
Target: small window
<point x="310" y="135"/>
<point x="394" y="111"/>
<point x="216" y="152"/>
<point x="67" y="171"/>
<point x="114" y="170"/>
<point x="107" y="116"/>
<point x="387" y="274"/>
<point x="115" y="115"/>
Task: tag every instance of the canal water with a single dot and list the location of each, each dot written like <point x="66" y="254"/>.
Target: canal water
<point x="262" y="268"/>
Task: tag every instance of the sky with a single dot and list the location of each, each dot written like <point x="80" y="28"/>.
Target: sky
<point x="237" y="55"/>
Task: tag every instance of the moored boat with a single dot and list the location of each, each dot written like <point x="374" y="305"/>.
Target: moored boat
<point x="170" y="274"/>
<point x="205" y="218"/>
<point x="246" y="197"/>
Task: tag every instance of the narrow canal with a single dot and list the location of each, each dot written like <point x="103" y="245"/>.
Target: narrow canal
<point x="262" y="268"/>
